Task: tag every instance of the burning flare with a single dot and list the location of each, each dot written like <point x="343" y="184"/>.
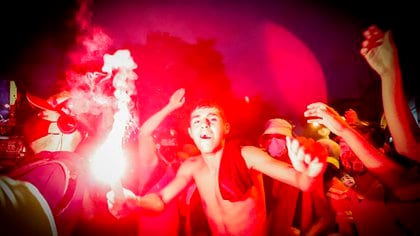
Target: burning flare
<point x="109" y="162"/>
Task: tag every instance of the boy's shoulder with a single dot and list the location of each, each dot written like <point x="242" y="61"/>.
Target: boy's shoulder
<point x="193" y="160"/>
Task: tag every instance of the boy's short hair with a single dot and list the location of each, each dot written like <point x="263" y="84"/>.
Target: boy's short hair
<point x="209" y="104"/>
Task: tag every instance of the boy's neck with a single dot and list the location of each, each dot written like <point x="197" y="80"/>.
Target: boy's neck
<point x="212" y="159"/>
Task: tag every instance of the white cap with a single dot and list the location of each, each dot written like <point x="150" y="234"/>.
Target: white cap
<point x="278" y="126"/>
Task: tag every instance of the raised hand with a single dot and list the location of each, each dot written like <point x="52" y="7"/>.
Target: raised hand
<point x="325" y="115"/>
<point x="379" y="50"/>
<point x="307" y="156"/>
<point x="177" y="99"/>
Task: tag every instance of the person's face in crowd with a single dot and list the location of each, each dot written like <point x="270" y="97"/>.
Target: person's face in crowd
<point x="348" y="180"/>
<point x="349" y="161"/>
<point x="208" y="129"/>
<point x="275" y="144"/>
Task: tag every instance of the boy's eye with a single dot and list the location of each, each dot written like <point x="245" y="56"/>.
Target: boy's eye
<point x="214" y="119"/>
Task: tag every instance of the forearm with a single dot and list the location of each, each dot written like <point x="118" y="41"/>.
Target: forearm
<point x="375" y="161"/>
<point x="296" y="179"/>
<point x="400" y="120"/>
<point x="146" y="143"/>
<point x="154" y="121"/>
<point x="151" y="202"/>
<point x="155" y="202"/>
<point x="286" y="173"/>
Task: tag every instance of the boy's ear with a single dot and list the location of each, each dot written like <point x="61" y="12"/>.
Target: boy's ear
<point x="227" y="128"/>
<point x="189" y="132"/>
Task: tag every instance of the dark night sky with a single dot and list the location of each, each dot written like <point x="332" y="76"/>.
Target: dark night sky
<point x="24" y="24"/>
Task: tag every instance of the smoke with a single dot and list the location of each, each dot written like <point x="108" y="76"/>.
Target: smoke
<point x="96" y="79"/>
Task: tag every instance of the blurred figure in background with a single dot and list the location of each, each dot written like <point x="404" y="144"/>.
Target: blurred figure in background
<point x="53" y="164"/>
<point x="23" y="210"/>
<point x="53" y="128"/>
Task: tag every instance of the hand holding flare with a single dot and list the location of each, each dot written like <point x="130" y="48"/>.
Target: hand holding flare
<point x="128" y="202"/>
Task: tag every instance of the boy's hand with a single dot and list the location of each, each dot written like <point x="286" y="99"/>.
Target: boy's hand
<point x="120" y="207"/>
<point x="307" y="156"/>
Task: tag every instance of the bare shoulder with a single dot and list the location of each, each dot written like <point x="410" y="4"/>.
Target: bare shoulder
<point x="193" y="162"/>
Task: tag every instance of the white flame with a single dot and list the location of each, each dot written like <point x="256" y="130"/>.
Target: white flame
<point x="109" y="162"/>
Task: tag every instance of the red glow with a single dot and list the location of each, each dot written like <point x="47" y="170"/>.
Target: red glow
<point x="297" y="74"/>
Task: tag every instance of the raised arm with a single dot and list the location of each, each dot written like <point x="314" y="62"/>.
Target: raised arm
<point x="146" y="144"/>
<point x="303" y="172"/>
<point x="380" y="52"/>
<point x="374" y="160"/>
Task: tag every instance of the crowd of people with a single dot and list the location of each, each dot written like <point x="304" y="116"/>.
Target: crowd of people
<point x="348" y="179"/>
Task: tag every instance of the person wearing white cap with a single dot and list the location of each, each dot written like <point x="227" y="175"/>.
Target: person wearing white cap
<point x="280" y="198"/>
<point x="274" y="137"/>
<point x="289" y="209"/>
